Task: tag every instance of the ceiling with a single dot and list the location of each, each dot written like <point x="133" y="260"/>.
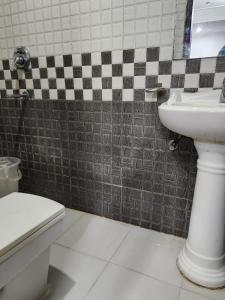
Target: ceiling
<point x="209" y="27"/>
<point x="201" y="4"/>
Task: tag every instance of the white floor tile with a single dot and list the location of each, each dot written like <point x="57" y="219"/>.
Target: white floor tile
<point x="117" y="283"/>
<point x="218" y="294"/>
<point x="150" y="253"/>
<point x="71" y="217"/>
<point x="95" y="236"/>
<point x="71" y="274"/>
<point x="186" y="295"/>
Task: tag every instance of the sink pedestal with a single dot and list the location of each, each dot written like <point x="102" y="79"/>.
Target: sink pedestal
<point x="202" y="259"/>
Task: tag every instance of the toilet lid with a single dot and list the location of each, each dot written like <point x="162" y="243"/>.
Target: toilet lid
<point x="23" y="214"/>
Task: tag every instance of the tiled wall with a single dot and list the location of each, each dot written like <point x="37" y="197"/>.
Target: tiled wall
<point x="54" y="27"/>
<point x="107" y="158"/>
<point x="109" y="154"/>
<point x="110" y="75"/>
<point x="85" y="49"/>
<point x="179" y="28"/>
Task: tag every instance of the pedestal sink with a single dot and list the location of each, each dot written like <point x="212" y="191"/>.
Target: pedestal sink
<point x="201" y="117"/>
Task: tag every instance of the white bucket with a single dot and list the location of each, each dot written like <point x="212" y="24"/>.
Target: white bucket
<point x="9" y="175"/>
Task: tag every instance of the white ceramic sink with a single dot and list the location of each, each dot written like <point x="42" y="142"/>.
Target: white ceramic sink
<point x="200" y="116"/>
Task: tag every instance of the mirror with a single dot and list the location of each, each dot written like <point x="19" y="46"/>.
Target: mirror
<point x="200" y="29"/>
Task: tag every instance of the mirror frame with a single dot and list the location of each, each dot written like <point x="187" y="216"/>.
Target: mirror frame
<point x="187" y="30"/>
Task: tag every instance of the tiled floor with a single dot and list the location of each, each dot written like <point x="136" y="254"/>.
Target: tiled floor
<point x="100" y="259"/>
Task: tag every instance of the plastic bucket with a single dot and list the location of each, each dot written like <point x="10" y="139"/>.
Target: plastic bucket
<point x="9" y="175"/>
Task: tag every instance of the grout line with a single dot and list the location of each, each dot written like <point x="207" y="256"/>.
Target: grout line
<point x="78" y="219"/>
<point x="147" y="275"/>
<point x="96" y="280"/>
<point x="117" y="249"/>
<point x="81" y="252"/>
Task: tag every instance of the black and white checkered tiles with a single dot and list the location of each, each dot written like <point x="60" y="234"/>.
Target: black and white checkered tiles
<point x="112" y="75"/>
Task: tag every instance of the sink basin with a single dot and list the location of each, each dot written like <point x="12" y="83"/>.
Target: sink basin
<point x="201" y="117"/>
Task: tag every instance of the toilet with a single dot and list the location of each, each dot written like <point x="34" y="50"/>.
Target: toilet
<point x="29" y="224"/>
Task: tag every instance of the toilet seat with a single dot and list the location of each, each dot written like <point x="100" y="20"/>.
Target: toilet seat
<point x="22" y="218"/>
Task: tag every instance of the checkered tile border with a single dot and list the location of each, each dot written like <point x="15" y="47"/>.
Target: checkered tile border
<point x="112" y="75"/>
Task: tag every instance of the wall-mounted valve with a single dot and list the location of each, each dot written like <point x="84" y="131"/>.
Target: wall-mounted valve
<point x="173" y="144"/>
<point x="21" y="58"/>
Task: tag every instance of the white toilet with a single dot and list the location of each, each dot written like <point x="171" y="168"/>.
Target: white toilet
<point x="29" y="224"/>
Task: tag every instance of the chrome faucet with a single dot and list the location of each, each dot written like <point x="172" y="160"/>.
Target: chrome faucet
<point x="222" y="96"/>
<point x="154" y="92"/>
<point x="24" y="96"/>
<point x="21" y="58"/>
<point x="157" y="88"/>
